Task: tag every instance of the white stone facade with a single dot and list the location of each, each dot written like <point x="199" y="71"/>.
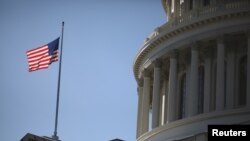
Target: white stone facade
<point x="194" y="70"/>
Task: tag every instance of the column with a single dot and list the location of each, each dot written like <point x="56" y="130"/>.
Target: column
<point x="220" y="76"/>
<point x="193" y="92"/>
<point x="145" y="101"/>
<point x="207" y="81"/>
<point x="176" y="8"/>
<point x="139" y="113"/>
<point x="166" y="101"/>
<point x="156" y="94"/>
<point x="172" y="88"/>
<point x="230" y="86"/>
<point x="248" y="69"/>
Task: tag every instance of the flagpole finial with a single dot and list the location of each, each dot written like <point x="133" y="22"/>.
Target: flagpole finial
<point x="62" y="23"/>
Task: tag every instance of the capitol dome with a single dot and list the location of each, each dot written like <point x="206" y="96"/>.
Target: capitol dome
<point x="194" y="70"/>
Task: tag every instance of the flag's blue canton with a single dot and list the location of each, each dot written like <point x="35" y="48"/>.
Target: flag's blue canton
<point x="53" y="46"/>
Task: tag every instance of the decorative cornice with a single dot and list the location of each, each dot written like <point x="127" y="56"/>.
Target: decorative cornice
<point x="169" y="31"/>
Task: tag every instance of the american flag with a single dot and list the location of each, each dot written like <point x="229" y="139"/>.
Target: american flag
<point x="42" y="57"/>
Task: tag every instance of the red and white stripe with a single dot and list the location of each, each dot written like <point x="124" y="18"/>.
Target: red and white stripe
<point x="39" y="58"/>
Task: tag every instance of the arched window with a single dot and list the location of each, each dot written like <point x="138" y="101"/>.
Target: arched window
<point x="201" y="89"/>
<point x="242" y="81"/>
<point x="182" y="99"/>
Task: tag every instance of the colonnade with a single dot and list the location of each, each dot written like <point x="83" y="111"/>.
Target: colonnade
<point x="223" y="96"/>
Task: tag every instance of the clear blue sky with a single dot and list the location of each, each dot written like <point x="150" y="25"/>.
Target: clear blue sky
<point x="98" y="90"/>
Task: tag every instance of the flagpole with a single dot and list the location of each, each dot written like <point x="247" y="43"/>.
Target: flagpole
<point x="58" y="87"/>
